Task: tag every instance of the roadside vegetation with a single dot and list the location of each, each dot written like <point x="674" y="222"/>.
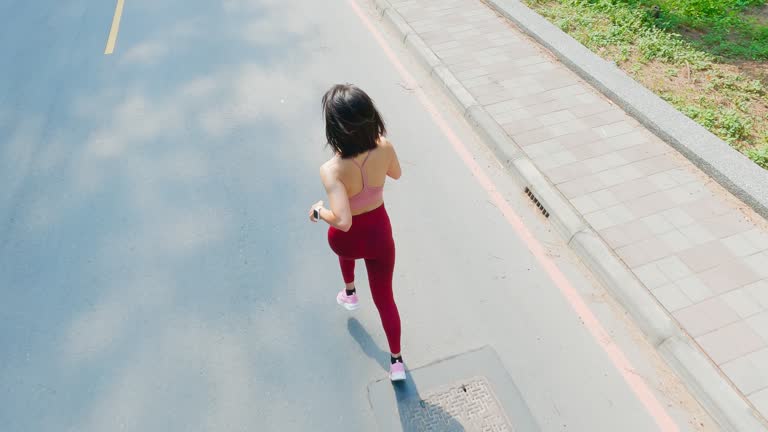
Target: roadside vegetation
<point x="708" y="58"/>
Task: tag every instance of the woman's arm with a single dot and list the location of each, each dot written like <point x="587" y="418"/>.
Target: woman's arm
<point x="338" y="214"/>
<point x="394" y="170"/>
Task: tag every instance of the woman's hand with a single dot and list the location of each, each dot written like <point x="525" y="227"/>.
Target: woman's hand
<point x="312" y="210"/>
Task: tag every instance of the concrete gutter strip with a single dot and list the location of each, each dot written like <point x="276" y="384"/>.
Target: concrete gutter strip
<point x="731" y="169"/>
<point x="729" y="408"/>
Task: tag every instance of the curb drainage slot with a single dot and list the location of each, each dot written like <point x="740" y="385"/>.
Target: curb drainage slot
<point x="536" y="201"/>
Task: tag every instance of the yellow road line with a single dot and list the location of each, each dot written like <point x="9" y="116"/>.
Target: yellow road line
<point x="115" y="28"/>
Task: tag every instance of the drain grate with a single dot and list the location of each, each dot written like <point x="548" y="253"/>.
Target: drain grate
<point x="536" y="201"/>
<point x="465" y="406"/>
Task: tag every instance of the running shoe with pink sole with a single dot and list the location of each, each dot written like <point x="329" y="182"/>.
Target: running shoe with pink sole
<point x="349" y="303"/>
<point x="397" y="372"/>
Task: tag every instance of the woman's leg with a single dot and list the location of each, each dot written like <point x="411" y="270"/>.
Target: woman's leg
<point x="348" y="272"/>
<point x="380" y="278"/>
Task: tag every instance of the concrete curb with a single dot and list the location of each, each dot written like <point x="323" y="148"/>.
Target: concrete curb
<point x="716" y="393"/>
<point x="729" y="408"/>
<point x="712" y="155"/>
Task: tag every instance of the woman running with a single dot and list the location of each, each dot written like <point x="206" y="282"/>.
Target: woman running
<point x="359" y="225"/>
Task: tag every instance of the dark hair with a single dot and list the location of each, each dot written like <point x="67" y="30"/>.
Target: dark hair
<point x="352" y="123"/>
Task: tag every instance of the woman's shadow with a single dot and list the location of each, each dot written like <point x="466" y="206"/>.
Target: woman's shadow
<point x="416" y="415"/>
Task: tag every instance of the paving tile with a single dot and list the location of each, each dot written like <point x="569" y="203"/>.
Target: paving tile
<point x="517" y="82"/>
<point x="730" y="342"/>
<point x="758" y="263"/>
<point x="742" y="302"/>
<point x="515" y="127"/>
<point x="497" y="97"/>
<point x="445" y="45"/>
<point x="676" y="241"/>
<point x="697" y="234"/>
<point x="619" y="175"/>
<point x="643" y="151"/>
<point x="695" y="289"/>
<point x="543" y="149"/>
<point x="677" y="217"/>
<point x="516" y="114"/>
<point x="643" y="252"/>
<point x="558" y="159"/>
<point x="533" y="65"/>
<point x="760" y="400"/>
<point x="490" y="88"/>
<point x="579" y="138"/>
<point x="605" y="198"/>
<point x="571" y="90"/>
<point x="569" y="172"/>
<point x="607" y="145"/>
<point x="759" y="292"/>
<point x="633" y="189"/>
<point x="663" y="180"/>
<point x="613" y="129"/>
<point x="651" y="276"/>
<point x="502" y="107"/>
<point x="566" y="127"/>
<point x="671" y="298"/>
<point x="705" y="256"/>
<point x="474" y="72"/>
<point x="585" y="204"/>
<point x="728" y="276"/>
<point x="611" y="121"/>
<point x="673" y="268"/>
<point x="590" y="108"/>
<point x="524" y="65"/>
<point x="582" y="186"/>
<point x="477" y="81"/>
<point x="609" y="217"/>
<point x="471" y="63"/>
<point x="616" y="237"/>
<point x="759" y="324"/>
<point x="657" y="224"/>
<point x="656" y="164"/>
<point x="628" y="139"/>
<point x="740" y="244"/>
<point x="625" y="234"/>
<point x="684" y="174"/>
<point x="705" y="317"/>
<point x="686" y="193"/>
<point x="556" y="117"/>
<point x="749" y="372"/>
<point x="548" y="106"/>
<point x="650" y="204"/>
<point x="727" y="224"/>
<point x="759" y="238"/>
<point x="706" y="208"/>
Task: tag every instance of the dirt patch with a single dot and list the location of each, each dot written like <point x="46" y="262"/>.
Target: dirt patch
<point x="682" y="85"/>
<point x="760" y="13"/>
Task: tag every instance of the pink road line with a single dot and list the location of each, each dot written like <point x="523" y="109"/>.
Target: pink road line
<point x="617" y="357"/>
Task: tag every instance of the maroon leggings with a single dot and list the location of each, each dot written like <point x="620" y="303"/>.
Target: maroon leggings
<point x="370" y="238"/>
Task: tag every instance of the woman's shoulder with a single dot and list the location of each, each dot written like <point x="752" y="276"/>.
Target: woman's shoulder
<point x="330" y="168"/>
<point x="384" y="143"/>
<point x="386" y="146"/>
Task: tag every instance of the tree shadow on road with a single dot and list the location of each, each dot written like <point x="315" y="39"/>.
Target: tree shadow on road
<point x="416" y="414"/>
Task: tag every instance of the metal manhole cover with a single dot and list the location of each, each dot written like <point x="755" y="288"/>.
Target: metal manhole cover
<point x="465" y="406"/>
<point x="470" y="392"/>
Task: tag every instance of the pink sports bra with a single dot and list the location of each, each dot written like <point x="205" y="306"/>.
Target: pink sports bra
<point x="370" y="195"/>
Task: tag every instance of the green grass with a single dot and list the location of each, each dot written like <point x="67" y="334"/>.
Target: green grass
<point x="696" y="54"/>
<point x="726" y="26"/>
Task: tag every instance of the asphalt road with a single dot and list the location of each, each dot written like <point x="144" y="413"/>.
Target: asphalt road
<point x="157" y="269"/>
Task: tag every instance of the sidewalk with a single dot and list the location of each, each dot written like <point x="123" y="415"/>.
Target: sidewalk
<point x="702" y="253"/>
